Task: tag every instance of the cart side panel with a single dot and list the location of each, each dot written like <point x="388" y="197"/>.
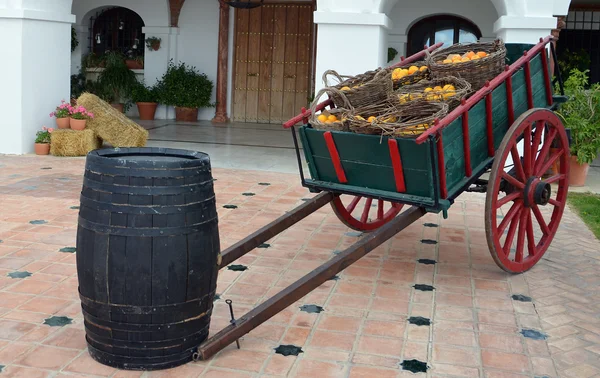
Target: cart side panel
<point x="478" y="138"/>
<point x="367" y="163"/>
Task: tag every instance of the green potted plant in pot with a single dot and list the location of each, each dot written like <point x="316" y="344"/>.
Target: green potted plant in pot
<point x="146" y="99"/>
<point x="186" y="89"/>
<point x="581" y="114"/>
<point x="118" y="79"/>
<point x="42" y="141"/>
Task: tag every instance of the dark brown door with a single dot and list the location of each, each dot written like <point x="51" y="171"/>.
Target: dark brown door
<point x="273" y="62"/>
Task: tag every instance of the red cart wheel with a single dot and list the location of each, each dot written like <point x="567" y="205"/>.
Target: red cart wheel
<point x="370" y="214"/>
<point x="520" y="201"/>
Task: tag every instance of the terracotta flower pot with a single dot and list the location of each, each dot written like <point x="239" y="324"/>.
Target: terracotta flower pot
<point x="147" y="110"/>
<point x="42" y="148"/>
<point x="78" y="124"/>
<point x="577" y="172"/>
<point x="119" y="107"/>
<point x="134" y="64"/>
<point x="63" y="123"/>
<point x="186" y="114"/>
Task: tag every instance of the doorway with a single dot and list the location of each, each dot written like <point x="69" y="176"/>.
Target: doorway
<point x="273" y="55"/>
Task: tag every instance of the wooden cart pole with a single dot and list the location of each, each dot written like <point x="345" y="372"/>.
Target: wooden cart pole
<point x="274" y="228"/>
<point x="306" y="284"/>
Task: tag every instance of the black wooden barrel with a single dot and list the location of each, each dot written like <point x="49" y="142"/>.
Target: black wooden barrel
<point x="147" y="255"/>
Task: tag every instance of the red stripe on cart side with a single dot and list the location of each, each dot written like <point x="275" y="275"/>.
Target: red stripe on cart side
<point x="528" y="85"/>
<point x="466" y="144"/>
<point x="335" y="157"/>
<point x="509" y="101"/>
<point x="397" y="165"/>
<point x="547" y="82"/>
<point x="490" y="124"/>
<point x="442" y="167"/>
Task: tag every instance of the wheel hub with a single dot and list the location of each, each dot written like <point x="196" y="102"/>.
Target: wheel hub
<point x="537" y="192"/>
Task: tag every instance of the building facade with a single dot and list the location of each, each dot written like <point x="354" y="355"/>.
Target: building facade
<point x="266" y="63"/>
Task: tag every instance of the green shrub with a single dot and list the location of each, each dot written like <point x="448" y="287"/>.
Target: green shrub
<point x="142" y="93"/>
<point x="183" y="86"/>
<point x="581" y="114"/>
<point x="117" y="78"/>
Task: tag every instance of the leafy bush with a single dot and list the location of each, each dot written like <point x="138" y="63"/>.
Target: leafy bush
<point x="570" y="60"/>
<point x="183" y="86"/>
<point x="142" y="93"/>
<point x="117" y="78"/>
<point x="582" y="115"/>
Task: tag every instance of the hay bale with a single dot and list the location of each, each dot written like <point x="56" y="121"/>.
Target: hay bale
<point x="73" y="143"/>
<point x="111" y="125"/>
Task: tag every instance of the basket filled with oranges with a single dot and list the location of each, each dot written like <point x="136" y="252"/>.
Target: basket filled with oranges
<point x="405" y="121"/>
<point x="329" y="119"/>
<point x="477" y="63"/>
<point x="361" y="90"/>
<point x="450" y="90"/>
<point x="411" y="75"/>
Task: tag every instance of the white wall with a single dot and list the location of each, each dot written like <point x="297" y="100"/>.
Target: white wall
<point x="405" y="14"/>
<point x="198" y="42"/>
<point x="36" y="77"/>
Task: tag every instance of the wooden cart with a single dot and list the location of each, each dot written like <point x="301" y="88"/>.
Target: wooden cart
<point x="507" y="129"/>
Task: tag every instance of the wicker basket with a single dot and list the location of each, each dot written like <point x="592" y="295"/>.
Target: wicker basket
<point x="462" y="90"/>
<point x="421" y="74"/>
<point x="476" y="72"/>
<point x="340" y="113"/>
<point x="358" y="119"/>
<point x="404" y="121"/>
<point x="362" y="90"/>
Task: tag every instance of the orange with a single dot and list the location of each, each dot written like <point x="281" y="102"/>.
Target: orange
<point x="482" y="54"/>
<point x="465" y="59"/>
<point x="475" y="57"/>
<point x="332" y="118"/>
<point x="371" y="119"/>
<point x="447" y="61"/>
<point x="322" y="118"/>
<point x="438" y="89"/>
<point x="346" y="88"/>
<point x="423" y="69"/>
<point x="412" y="70"/>
<point x="470" y="54"/>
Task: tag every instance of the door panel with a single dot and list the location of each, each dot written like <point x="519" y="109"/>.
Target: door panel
<point x="273" y="62"/>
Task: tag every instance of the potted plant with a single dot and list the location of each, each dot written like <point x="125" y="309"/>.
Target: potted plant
<point x="116" y="79"/>
<point x="581" y="114"/>
<point x="186" y="89"/>
<point x="153" y="43"/>
<point x="146" y="99"/>
<point x="79" y="116"/>
<point x="62" y="115"/>
<point x="42" y="141"/>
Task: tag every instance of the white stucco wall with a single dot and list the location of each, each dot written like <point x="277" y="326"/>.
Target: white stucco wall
<point x="405" y="15"/>
<point x="198" y="42"/>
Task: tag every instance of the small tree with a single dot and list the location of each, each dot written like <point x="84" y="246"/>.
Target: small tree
<point x="183" y="86"/>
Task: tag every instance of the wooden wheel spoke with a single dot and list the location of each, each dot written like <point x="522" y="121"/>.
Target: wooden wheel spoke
<point x="510" y="197"/>
<point x="380" y="209"/>
<point x="549" y="163"/>
<point x="537" y="138"/>
<point x="530" y="235"/>
<point x="513" y="181"/>
<point x="527" y="151"/>
<point x="517" y="162"/>
<point x="365" y="214"/>
<point x="545" y="149"/>
<point x="511" y="232"/>
<point x="521" y="235"/>
<point x="509" y="216"/>
<point x="555" y="178"/>
<point x="540" y="219"/>
<point x="352" y="206"/>
<point x="554" y="202"/>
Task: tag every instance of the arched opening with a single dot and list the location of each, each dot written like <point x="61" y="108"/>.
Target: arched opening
<point x="444" y="28"/>
<point x="117" y="29"/>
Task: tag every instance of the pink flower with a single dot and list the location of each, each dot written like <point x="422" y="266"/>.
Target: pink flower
<point x="51" y="114"/>
<point x="62" y="101"/>
<point x="44" y="128"/>
<point x="50" y="130"/>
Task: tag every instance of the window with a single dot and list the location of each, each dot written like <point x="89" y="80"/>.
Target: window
<point x="579" y="42"/>
<point x="117" y="29"/>
<point x="446" y="29"/>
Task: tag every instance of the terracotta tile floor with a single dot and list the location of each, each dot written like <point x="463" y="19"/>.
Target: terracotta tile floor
<point x="363" y="330"/>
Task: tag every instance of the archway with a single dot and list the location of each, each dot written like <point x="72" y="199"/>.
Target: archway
<point x="448" y="29"/>
<point x="117" y="29"/>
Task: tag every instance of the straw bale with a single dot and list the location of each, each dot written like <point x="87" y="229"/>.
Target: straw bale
<point x="67" y="142"/>
<point x="111" y="125"/>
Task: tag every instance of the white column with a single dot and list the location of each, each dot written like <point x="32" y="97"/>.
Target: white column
<point x="156" y="62"/>
<point x="525" y="21"/>
<point x="37" y="75"/>
<point x="350" y="39"/>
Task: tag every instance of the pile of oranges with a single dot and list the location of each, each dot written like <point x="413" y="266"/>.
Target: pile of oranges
<point x="400" y="73"/>
<point x="438" y="93"/>
<point x="328" y="118"/>
<point x="469" y="56"/>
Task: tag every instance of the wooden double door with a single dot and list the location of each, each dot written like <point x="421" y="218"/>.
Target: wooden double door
<point x="273" y="62"/>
